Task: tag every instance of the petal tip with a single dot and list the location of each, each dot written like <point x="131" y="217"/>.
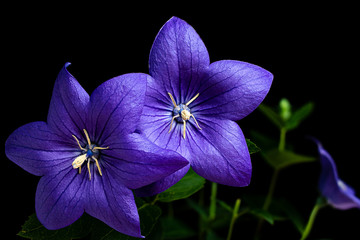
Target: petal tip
<point x="175" y="19"/>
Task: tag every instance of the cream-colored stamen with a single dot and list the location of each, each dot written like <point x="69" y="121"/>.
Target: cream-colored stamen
<point x="79" y="143"/>
<point x="172" y="121"/>
<point x="88" y="155"/>
<point x="172" y="99"/>
<point x="97" y="164"/>
<point x="195" y="121"/>
<point x="183" y="111"/>
<point x="191" y="100"/>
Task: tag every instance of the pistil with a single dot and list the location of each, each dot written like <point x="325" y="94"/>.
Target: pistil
<point x="90" y="151"/>
<point x="182" y="113"/>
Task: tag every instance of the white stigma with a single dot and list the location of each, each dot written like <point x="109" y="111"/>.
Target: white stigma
<point x="183" y="113"/>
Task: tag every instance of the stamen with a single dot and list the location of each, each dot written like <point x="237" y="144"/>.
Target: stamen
<point x="97" y="165"/>
<point x="184" y="112"/>
<point x="88" y="155"/>
<point x="79" y="161"/>
<point x="172" y="99"/>
<point x="191" y="100"/>
<point x="79" y="143"/>
<point x="172" y="121"/>
<point x="195" y="121"/>
<point x="100" y="148"/>
<point x="87" y="137"/>
<point x="88" y="166"/>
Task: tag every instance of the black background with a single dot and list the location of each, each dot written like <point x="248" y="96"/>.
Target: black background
<point x="312" y="50"/>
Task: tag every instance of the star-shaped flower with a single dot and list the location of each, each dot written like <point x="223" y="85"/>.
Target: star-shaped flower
<point x="88" y="154"/>
<point x="191" y="106"/>
<point x="338" y="194"/>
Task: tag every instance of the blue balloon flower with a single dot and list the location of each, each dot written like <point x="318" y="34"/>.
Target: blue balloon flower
<point x="338" y="194"/>
<point x="191" y="106"/>
<point x="88" y="153"/>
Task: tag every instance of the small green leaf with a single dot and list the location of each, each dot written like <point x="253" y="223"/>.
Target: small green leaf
<point x="149" y="214"/>
<point x="299" y="115"/>
<point x="273" y="116"/>
<point x="263" y="214"/>
<point x="187" y="186"/>
<point x="265" y="143"/>
<point x="252" y="147"/>
<point x="33" y="229"/>
<point x="225" y="206"/>
<point x="281" y="159"/>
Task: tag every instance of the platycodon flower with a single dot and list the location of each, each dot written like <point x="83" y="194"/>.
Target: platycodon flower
<point x="88" y="153"/>
<point x="191" y="106"/>
<point x="337" y="193"/>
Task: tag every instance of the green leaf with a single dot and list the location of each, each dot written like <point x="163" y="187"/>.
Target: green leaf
<point x="176" y="229"/>
<point x="252" y="147"/>
<point x="281" y="159"/>
<point x="33" y="229"/>
<point x="265" y="143"/>
<point x="299" y="115"/>
<point x="263" y="214"/>
<point x="225" y="206"/>
<point x="149" y="214"/>
<point x="273" y="116"/>
<point x="187" y="186"/>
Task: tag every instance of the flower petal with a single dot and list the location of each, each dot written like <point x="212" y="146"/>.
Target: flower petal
<point x="177" y="59"/>
<point x="232" y="90"/>
<point x="113" y="203"/>
<point x="137" y="162"/>
<point x="219" y="153"/>
<point x="36" y="149"/>
<point x="116" y="107"/>
<point x="68" y="106"/>
<point x="338" y="194"/>
<point x="163" y="184"/>
<point x="60" y="198"/>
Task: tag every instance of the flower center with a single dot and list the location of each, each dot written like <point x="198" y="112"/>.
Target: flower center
<point x="90" y="152"/>
<point x="182" y="113"/>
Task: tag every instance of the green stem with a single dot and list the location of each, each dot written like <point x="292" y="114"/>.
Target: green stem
<point x="267" y="202"/>
<point x="212" y="211"/>
<point x="274" y="178"/>
<point x="319" y="204"/>
<point x="270" y="194"/>
<point x="155" y="200"/>
<point x="282" y="139"/>
<point x="234" y="217"/>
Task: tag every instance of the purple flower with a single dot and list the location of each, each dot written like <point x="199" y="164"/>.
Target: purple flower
<point x="191" y="106"/>
<point x="338" y="194"/>
<point x="88" y="154"/>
